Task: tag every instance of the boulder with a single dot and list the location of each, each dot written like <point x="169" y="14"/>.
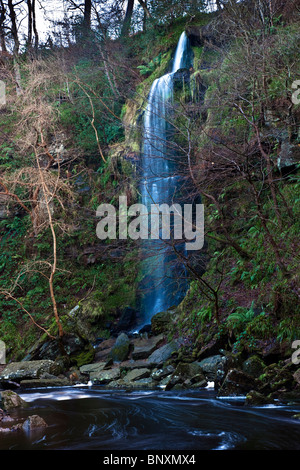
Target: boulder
<point x="186" y="375"/>
<point x="254" y="366"/>
<point x="136" y="374"/>
<point x="214" y="367"/>
<point x="11" y="400"/>
<point x="126" y="321"/>
<point x="237" y="383"/>
<point x="33" y="422"/>
<point x="145" y="383"/>
<point x="105" y="376"/>
<point x="52" y="349"/>
<point x="144" y="347"/>
<point x="255" y="398"/>
<point x="164" y="353"/>
<point x="160" y="322"/>
<point x="88" y="369"/>
<point x="121" y="348"/>
<point x="160" y="374"/>
<point x="26" y="370"/>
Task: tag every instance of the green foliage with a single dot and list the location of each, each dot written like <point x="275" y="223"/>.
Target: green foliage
<point x="239" y="319"/>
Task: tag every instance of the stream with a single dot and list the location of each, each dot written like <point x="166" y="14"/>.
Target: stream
<point x="93" y="418"/>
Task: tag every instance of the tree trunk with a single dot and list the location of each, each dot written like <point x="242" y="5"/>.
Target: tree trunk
<point x="14" y="29"/>
<point x="87" y="15"/>
<point x="36" y="34"/>
<point x="127" y="19"/>
<point x="2" y="34"/>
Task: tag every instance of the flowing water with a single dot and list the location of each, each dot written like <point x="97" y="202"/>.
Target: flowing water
<point x="164" y="277"/>
<point x="91" y="418"/>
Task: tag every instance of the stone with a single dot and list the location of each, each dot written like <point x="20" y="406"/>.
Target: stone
<point x="11" y="400"/>
<point x="105" y="376"/>
<point x="213" y="367"/>
<point x="88" y="369"/>
<point x="159" y="374"/>
<point x="136" y="374"/>
<point x="120" y="350"/>
<point x="144" y="347"/>
<point x="296" y="376"/>
<point x="160" y="322"/>
<point x="191" y="371"/>
<point x="164" y="352"/>
<point x="255" y="398"/>
<point x="36" y="383"/>
<point x="126" y="321"/>
<point x="254" y="366"/>
<point x="144" y="383"/>
<point x="26" y="370"/>
<point x="237" y="383"/>
<point x="34" y="422"/>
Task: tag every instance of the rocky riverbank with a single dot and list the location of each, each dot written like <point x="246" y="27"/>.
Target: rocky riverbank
<point x="150" y="361"/>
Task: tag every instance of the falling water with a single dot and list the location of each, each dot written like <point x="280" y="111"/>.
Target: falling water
<point x="163" y="285"/>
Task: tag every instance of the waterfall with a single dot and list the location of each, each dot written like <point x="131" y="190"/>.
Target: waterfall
<point x="162" y="286"/>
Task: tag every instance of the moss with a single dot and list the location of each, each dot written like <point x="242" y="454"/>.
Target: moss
<point x="82" y="358"/>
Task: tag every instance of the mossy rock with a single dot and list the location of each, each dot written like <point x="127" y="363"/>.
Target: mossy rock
<point x="11" y="400"/>
<point x="254" y="366"/>
<point x="121" y="348"/>
<point x="161" y="322"/>
<point x="83" y="357"/>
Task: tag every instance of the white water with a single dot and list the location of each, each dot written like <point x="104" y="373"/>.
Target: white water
<point x="163" y="285"/>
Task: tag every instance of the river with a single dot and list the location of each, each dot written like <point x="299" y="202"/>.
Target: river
<point x="93" y="418"/>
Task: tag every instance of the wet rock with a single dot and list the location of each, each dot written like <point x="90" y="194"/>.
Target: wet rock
<point x="145" y="383"/>
<point x="255" y="398"/>
<point x="164" y="353"/>
<point x="136" y="374"/>
<point x="26" y="370"/>
<point x="144" y="347"/>
<point x="11" y="400"/>
<point x="126" y="321"/>
<point x="214" y="367"/>
<point x="160" y="322"/>
<point x="237" y="383"/>
<point x="254" y="366"/>
<point x="36" y="383"/>
<point x="296" y="376"/>
<point x="51" y="349"/>
<point x="186" y="375"/>
<point x="121" y="348"/>
<point x="88" y="369"/>
<point x="33" y="422"/>
<point x="105" y="376"/>
<point x="191" y="371"/>
<point x="103" y="349"/>
<point x="159" y="374"/>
